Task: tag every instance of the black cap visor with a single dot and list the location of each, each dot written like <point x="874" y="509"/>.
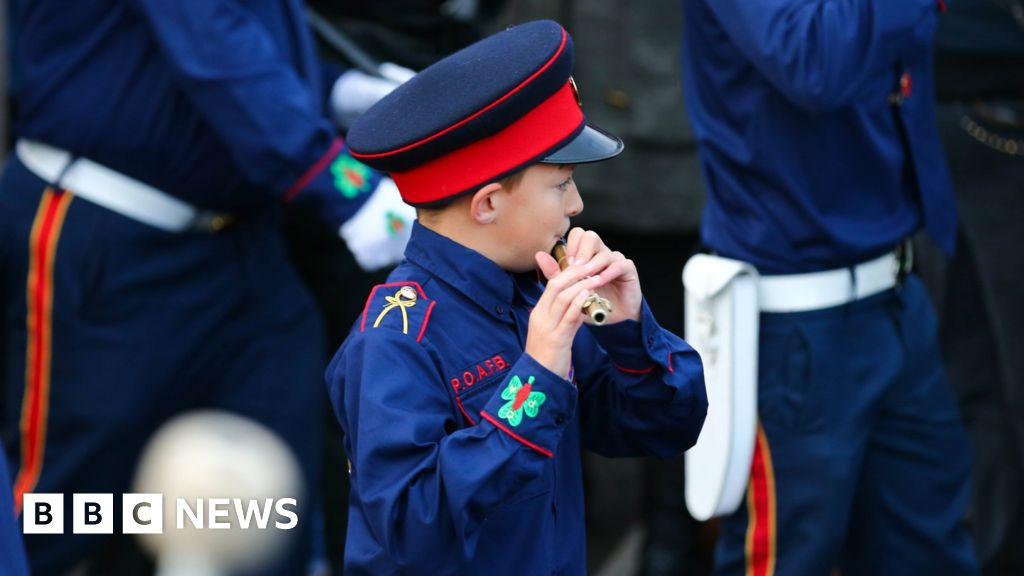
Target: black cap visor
<point x="592" y="144"/>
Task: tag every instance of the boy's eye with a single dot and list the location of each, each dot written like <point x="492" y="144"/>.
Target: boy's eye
<point x="565" y="185"/>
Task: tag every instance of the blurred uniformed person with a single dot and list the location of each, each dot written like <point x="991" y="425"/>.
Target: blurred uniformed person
<point x="143" y="268"/>
<point x="820" y="156"/>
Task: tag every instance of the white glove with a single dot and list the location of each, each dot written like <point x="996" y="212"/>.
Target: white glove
<point x="355" y="91"/>
<point x="395" y="73"/>
<point x="377" y="234"/>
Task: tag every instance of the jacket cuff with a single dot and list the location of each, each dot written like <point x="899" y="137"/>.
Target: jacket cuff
<point x="316" y="170"/>
<point x="532" y="406"/>
<point x="337" y="184"/>
<point x="635" y="347"/>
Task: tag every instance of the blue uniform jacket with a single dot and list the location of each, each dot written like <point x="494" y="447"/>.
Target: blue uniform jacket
<point x="464" y="451"/>
<point x="217" y="102"/>
<point x="808" y="162"/>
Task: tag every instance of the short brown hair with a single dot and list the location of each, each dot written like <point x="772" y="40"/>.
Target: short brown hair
<point x="508" y="182"/>
<point x="512" y="180"/>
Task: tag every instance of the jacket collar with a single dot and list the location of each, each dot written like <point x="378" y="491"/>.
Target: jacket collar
<point x="474" y="275"/>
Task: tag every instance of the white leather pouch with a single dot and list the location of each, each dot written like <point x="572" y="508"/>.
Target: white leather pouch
<point x="722" y="326"/>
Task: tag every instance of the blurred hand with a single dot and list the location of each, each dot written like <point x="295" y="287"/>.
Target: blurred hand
<point x="355" y="91"/>
<point x="377" y="234"/>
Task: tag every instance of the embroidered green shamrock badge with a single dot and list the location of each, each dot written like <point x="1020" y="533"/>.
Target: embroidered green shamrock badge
<point x="521" y="398"/>
<point x="396" y="224"/>
<point x="351" y="177"/>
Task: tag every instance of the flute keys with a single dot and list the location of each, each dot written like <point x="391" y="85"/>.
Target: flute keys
<point x="597" y="300"/>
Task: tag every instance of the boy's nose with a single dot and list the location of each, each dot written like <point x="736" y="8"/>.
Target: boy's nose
<point x="575" y="202"/>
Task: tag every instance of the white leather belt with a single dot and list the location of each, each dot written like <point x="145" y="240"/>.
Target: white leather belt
<point x="115" y="191"/>
<point x="815" y="290"/>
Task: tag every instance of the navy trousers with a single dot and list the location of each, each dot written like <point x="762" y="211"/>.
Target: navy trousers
<point x="861" y="463"/>
<point x="12" y="556"/>
<point x="113" y="326"/>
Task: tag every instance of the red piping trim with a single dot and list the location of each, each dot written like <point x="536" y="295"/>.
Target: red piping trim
<point x="322" y="163"/>
<point x="524" y="441"/>
<point x="647" y="370"/>
<point x="507" y="95"/>
<point x="425" y="320"/>
<point x="463" y="410"/>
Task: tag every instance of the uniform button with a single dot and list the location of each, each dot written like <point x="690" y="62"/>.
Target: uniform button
<point x="560" y="419"/>
<point x="618" y="99"/>
<point x="218" y="223"/>
<point x="650" y="340"/>
<point x="906" y="85"/>
<point x="499" y="309"/>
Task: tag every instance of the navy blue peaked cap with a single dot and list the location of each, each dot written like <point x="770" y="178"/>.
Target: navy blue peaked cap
<point x="483" y="113"/>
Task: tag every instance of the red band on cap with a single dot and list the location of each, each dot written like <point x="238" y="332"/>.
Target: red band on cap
<point x="521" y="142"/>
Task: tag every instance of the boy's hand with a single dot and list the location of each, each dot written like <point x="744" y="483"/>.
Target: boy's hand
<point x="557" y="315"/>
<point x="617" y="278"/>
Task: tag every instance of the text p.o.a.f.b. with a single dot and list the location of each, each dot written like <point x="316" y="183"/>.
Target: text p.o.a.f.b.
<point x="144" y="513"/>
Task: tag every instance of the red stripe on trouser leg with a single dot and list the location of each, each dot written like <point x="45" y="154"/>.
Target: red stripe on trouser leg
<point x="761" y="531"/>
<point x="39" y="323"/>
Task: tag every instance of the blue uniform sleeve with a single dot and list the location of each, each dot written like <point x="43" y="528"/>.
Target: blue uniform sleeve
<point x="330" y="71"/>
<point x="266" y="108"/>
<point x="418" y="476"/>
<point x="819" y="53"/>
<point x="641" y="389"/>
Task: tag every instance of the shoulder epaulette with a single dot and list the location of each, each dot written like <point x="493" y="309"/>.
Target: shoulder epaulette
<point x="397" y="306"/>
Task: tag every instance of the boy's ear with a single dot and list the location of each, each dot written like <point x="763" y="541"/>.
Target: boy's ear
<point x="486" y="203"/>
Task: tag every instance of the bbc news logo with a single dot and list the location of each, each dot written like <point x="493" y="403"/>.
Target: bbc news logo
<point x="144" y="513"/>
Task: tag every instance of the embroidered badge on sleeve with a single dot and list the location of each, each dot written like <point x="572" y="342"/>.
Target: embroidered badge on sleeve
<point x="395" y="223"/>
<point x="351" y="177"/>
<point x="521" y="398"/>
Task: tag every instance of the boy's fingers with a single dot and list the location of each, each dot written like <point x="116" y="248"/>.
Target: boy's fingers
<point x="562" y="300"/>
<point x="572" y="242"/>
<point x="573" y="313"/>
<point x="561" y="283"/>
<point x="547" y="264"/>
<point x="565" y="278"/>
<point x="588" y="244"/>
<point x="609" y="265"/>
<point x="565" y="297"/>
<point x="598" y="263"/>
